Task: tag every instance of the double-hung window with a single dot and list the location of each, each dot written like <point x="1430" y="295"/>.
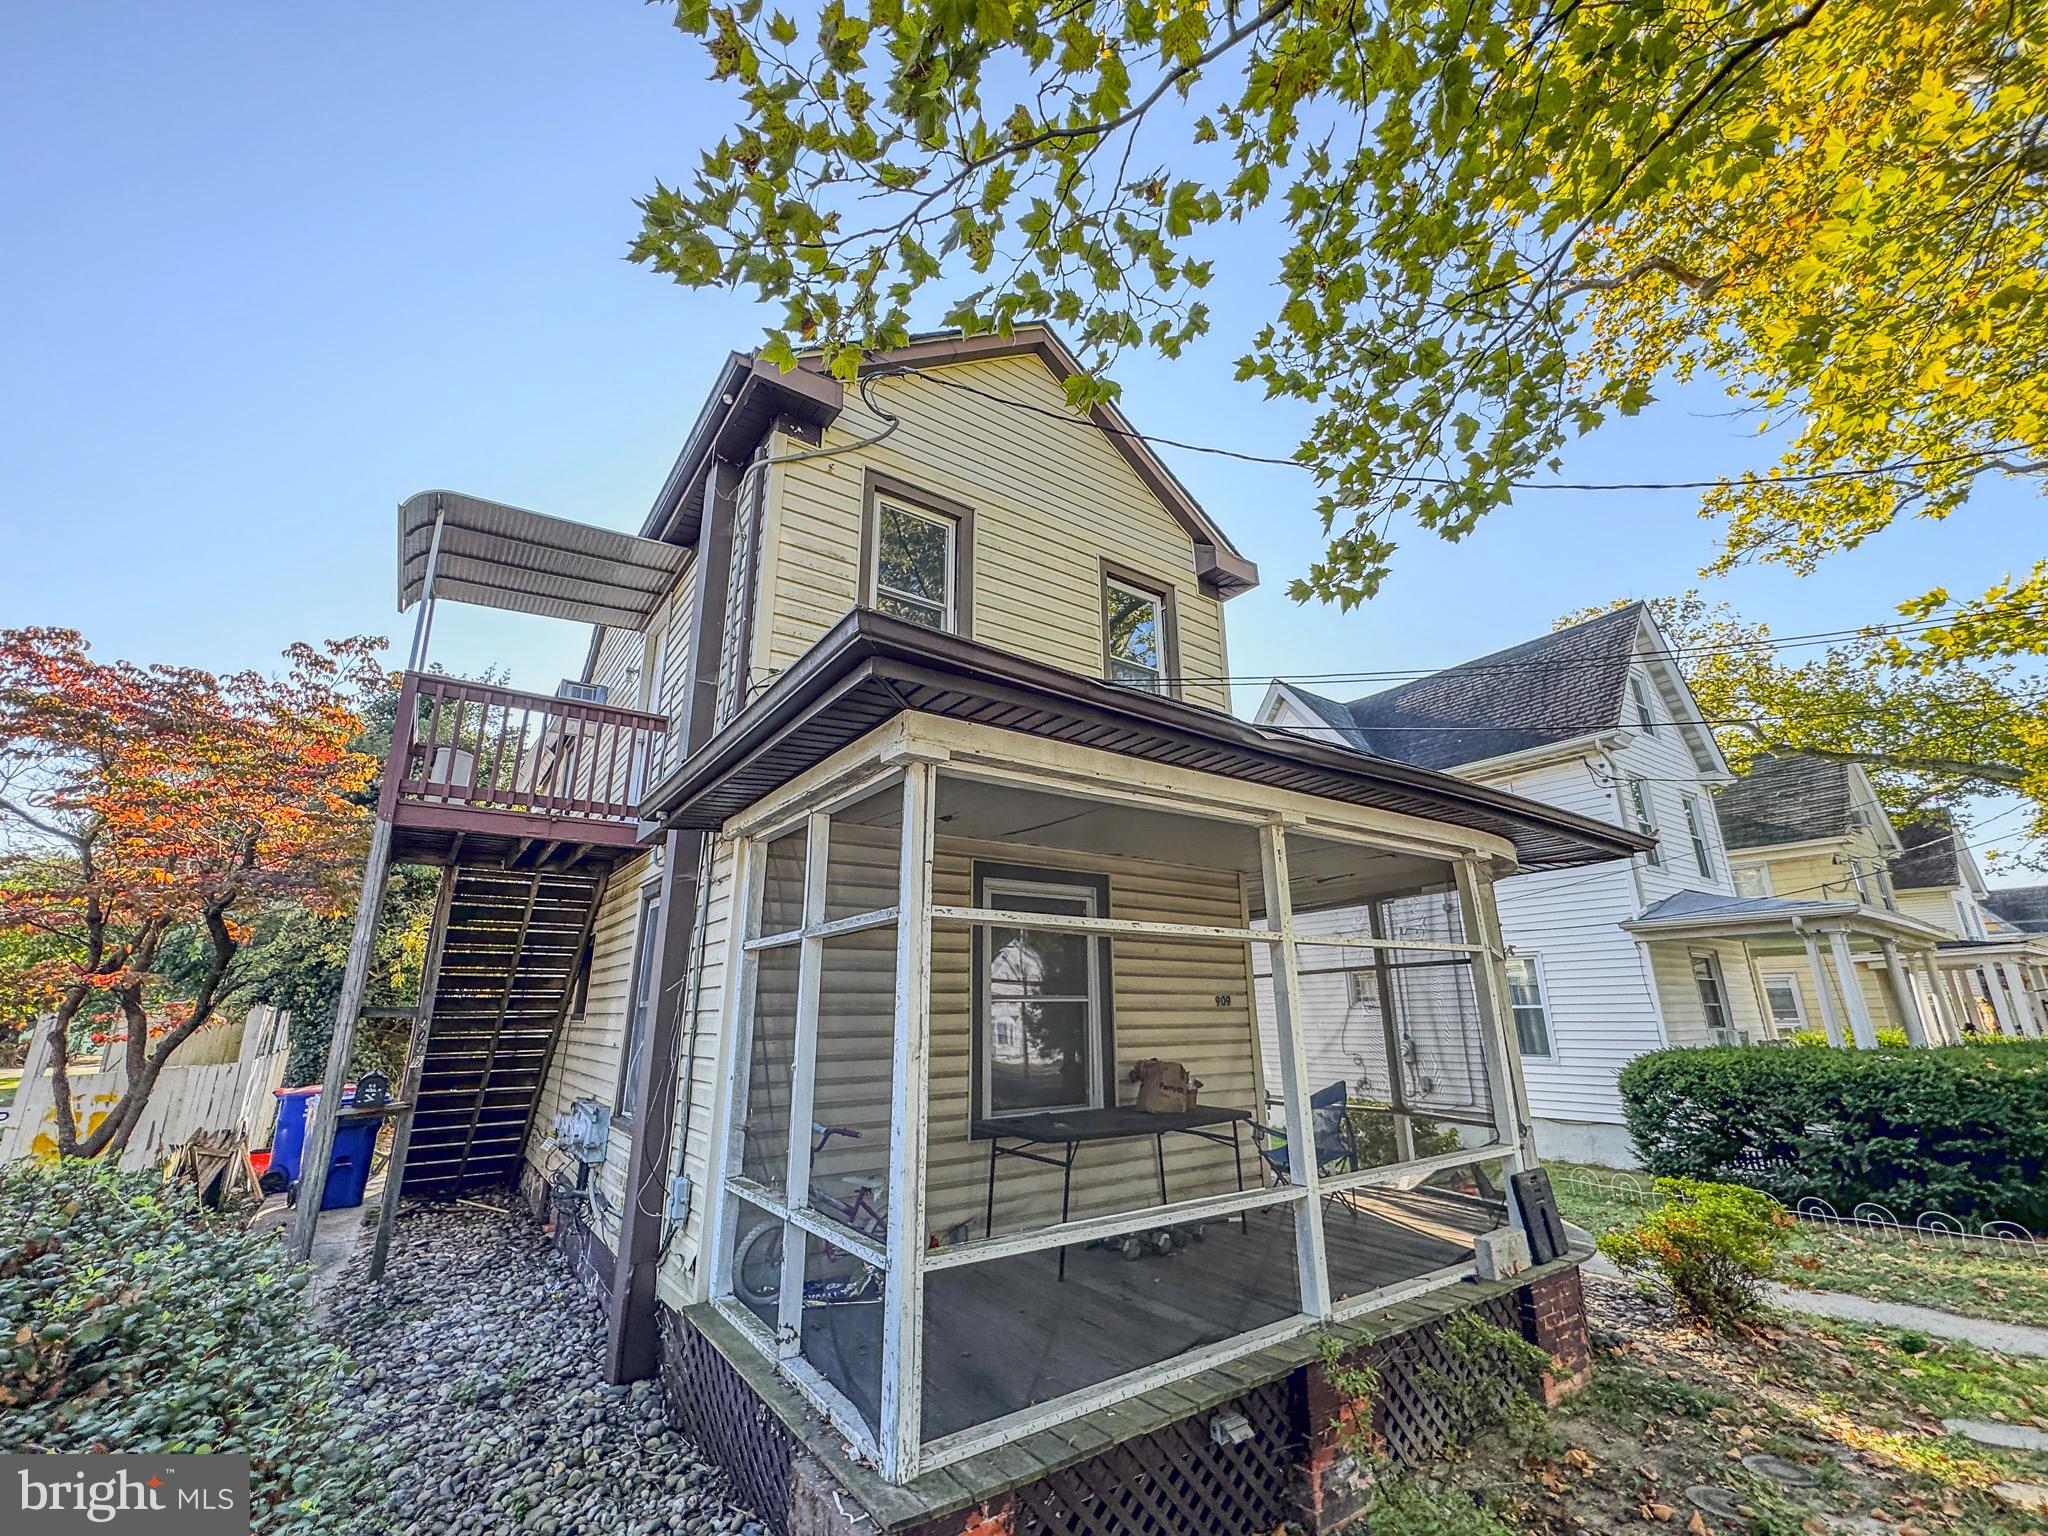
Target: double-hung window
<point x="1525" y="997"/>
<point x="1639" y="691"/>
<point x="1706" y="976"/>
<point x="1136" y="635"/>
<point x="913" y="570"/>
<point x="1039" y="999"/>
<point x="1646" y="819"/>
<point x="1781" y="993"/>
<point x="1696" y="829"/>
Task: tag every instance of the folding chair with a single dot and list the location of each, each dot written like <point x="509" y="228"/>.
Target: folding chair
<point x="1329" y="1117"/>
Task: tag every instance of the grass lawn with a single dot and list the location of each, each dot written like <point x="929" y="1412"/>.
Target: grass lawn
<point x="1670" y="1409"/>
<point x="1973" y="1280"/>
<point x="10" y="1080"/>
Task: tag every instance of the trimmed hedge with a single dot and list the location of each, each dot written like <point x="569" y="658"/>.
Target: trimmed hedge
<point x="139" y="1321"/>
<point x="1958" y="1128"/>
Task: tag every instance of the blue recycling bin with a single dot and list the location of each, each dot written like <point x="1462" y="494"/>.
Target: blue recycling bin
<point x="288" y="1142"/>
<point x="355" y="1145"/>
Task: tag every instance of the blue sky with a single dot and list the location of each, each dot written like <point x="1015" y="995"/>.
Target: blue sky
<point x="271" y="268"/>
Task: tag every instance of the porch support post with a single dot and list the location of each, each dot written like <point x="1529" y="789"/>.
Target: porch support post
<point x="1503" y="1061"/>
<point x="1861" y="1027"/>
<point x="1964" y="997"/>
<point x="743" y="971"/>
<point x="1902" y="994"/>
<point x="355" y="978"/>
<point x="1830" y="1020"/>
<point x="2002" y="1005"/>
<point x="2025" y="1009"/>
<point x="632" y="1344"/>
<point x="1312" y="1276"/>
<point x="1944" y="1005"/>
<point x="902" y="1413"/>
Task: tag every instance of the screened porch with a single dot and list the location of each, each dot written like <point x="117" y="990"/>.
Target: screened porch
<point x="942" y="1210"/>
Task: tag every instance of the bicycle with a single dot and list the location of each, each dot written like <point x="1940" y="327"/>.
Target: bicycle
<point x="757" y="1262"/>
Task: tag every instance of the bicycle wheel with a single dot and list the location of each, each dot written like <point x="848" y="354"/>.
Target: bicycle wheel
<point x="757" y="1266"/>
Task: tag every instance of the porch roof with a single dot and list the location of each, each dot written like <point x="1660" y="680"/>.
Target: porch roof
<point x="869" y="668"/>
<point x="1708" y="912"/>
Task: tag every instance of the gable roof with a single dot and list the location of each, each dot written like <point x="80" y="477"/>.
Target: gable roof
<point x="1562" y="685"/>
<point x="2024" y="906"/>
<point x="1784" y="798"/>
<point x="748" y="395"/>
<point x="1931" y="859"/>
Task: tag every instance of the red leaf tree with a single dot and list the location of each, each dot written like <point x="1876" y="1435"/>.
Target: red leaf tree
<point x="150" y="807"/>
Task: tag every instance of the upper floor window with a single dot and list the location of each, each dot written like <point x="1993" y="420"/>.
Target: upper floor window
<point x="1696" y="829"/>
<point x="1137" y="625"/>
<point x="1646" y="820"/>
<point x="1639" y="690"/>
<point x="1525" y="997"/>
<point x="916" y="556"/>
<point x="1752" y="881"/>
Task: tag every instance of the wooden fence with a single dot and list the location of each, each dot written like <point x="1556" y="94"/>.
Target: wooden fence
<point x="218" y="1080"/>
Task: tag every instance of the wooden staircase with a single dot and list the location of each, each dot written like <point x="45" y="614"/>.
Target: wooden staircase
<point x="507" y="969"/>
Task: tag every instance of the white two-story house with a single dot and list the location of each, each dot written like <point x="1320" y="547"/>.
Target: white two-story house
<point x="1609" y="962"/>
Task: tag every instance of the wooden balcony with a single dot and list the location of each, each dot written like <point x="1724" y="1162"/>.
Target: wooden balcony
<point x="480" y="774"/>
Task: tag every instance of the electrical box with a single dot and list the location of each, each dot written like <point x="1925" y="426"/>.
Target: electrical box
<point x="678" y="1209"/>
<point x="584" y="1130"/>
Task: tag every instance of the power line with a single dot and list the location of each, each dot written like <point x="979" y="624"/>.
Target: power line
<point x="1969" y="456"/>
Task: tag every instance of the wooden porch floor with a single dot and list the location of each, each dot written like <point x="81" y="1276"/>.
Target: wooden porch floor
<point x="1002" y="1336"/>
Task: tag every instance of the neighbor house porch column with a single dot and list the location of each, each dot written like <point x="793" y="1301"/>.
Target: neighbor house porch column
<point x="1944" y="1002"/>
<point x="1861" y="1028"/>
<point x="1902" y="994"/>
<point x="2026" y="1007"/>
<point x="2003" y="1003"/>
<point x="1830" y="1020"/>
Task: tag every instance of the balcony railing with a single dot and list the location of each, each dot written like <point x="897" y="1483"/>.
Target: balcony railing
<point x="464" y="746"/>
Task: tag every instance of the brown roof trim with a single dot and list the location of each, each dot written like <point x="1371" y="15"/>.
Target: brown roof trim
<point x="868" y="668"/>
<point x="1223" y="572"/>
<point x="745" y="400"/>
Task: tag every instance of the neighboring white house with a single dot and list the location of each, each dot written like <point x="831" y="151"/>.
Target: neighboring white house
<point x="1609" y="962"/>
<point x="1994" y="960"/>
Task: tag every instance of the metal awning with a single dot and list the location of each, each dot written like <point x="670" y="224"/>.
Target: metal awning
<point x="497" y="556"/>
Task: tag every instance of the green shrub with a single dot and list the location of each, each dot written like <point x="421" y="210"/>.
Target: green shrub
<point x="1887" y="1038"/>
<point x="1957" y="1128"/>
<point x="148" y="1324"/>
<point x="1712" y="1245"/>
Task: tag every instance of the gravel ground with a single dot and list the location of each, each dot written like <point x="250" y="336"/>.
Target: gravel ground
<point x="478" y="1392"/>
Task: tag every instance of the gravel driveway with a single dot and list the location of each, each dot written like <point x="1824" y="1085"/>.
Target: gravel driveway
<point x="478" y="1392"/>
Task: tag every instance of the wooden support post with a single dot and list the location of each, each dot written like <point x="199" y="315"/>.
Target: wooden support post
<point x="902" y="1414"/>
<point x="355" y="978"/>
<point x="2001" y="1004"/>
<point x="803" y="1082"/>
<point x="409" y="1081"/>
<point x="1861" y="1027"/>
<point x="1944" y="1001"/>
<point x="1830" y="1019"/>
<point x="1902" y="994"/>
<point x="1499" y="1052"/>
<point x="2026" y="1011"/>
<point x="1311" y="1275"/>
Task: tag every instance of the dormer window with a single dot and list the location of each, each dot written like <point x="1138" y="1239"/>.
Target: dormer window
<point x="1645" y="818"/>
<point x="1696" y="829"/>
<point x="1639" y="690"/>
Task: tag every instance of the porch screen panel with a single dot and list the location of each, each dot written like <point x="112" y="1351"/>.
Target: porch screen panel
<point x="782" y="883"/>
<point x="1381" y="1235"/>
<point x="861" y="869"/>
<point x="1438" y="1026"/>
<point x="842" y="1328"/>
<point x="851" y="1098"/>
<point x="771" y="1066"/>
<point x="1009" y="1333"/>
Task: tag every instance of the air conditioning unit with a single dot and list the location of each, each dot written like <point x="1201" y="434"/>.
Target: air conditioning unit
<point x="583" y="1130"/>
<point x="582" y="693"/>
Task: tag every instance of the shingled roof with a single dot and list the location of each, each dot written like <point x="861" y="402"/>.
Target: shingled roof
<point x="1930" y="861"/>
<point x="1786" y="799"/>
<point x="1562" y="685"/>
<point x="2024" y="906"/>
